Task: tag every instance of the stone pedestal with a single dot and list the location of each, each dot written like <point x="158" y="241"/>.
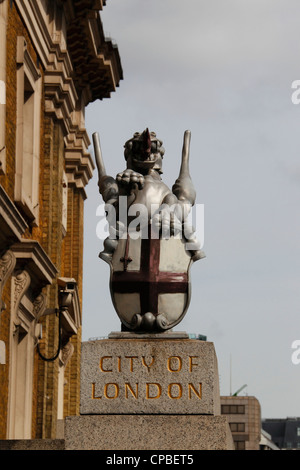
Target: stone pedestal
<point x="142" y="392"/>
<point x="148" y="432"/>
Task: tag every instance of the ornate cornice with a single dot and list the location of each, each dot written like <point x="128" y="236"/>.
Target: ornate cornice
<point x="80" y="66"/>
<point x="33" y="271"/>
<point x="27" y="306"/>
<point x="78" y="163"/>
<point x="91" y="61"/>
<point x="95" y="58"/>
<point x="31" y="255"/>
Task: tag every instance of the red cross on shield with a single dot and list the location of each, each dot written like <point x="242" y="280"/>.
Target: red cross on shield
<point x="151" y="275"/>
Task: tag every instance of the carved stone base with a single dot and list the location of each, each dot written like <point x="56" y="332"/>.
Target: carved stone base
<point x="146" y="393"/>
<point x="149" y="376"/>
<point x="147" y="432"/>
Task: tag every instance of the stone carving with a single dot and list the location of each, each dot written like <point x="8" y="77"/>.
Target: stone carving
<point x="21" y="283"/>
<point x="67" y="352"/>
<point x="39" y="305"/>
<point x="7" y="265"/>
<point x="151" y="246"/>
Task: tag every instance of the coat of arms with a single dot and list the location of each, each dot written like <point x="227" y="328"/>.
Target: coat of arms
<point x="151" y="246"/>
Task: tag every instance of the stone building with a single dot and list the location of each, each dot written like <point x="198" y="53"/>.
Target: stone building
<point x="285" y="432"/>
<point x="54" y="60"/>
<point x="244" y="418"/>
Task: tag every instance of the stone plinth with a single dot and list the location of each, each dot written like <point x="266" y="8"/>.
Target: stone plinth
<point x="146" y="392"/>
<point x="147" y="432"/>
<point x="149" y="376"/>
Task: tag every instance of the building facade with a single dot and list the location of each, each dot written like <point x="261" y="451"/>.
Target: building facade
<point x="54" y="61"/>
<point x="244" y="418"/>
<point x="285" y="432"/>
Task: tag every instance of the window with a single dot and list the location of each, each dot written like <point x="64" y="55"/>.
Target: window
<point x="298" y="431"/>
<point x="239" y="445"/>
<point x="237" y="427"/>
<point x="28" y="134"/>
<point x="232" y="409"/>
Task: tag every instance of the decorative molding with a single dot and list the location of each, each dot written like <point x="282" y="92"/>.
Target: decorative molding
<point x="21" y="282"/>
<point x="12" y="223"/>
<point x="7" y="265"/>
<point x="30" y="253"/>
<point x="95" y="58"/>
<point x="66" y="353"/>
<point x="27" y="309"/>
<point x="27" y="157"/>
<point x="60" y="93"/>
<point x="39" y="306"/>
<point x="86" y="69"/>
<point x="79" y="167"/>
<point x="34" y="270"/>
<point x="23" y="57"/>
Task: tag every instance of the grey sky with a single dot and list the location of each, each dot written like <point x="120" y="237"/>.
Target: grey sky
<point x="223" y="69"/>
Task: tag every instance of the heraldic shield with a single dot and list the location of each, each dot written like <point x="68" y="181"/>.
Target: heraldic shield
<point x="149" y="283"/>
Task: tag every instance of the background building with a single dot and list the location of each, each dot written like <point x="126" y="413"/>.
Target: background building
<point x="285" y="432"/>
<point x="244" y="417"/>
<point x="266" y="442"/>
<point x="54" y="60"/>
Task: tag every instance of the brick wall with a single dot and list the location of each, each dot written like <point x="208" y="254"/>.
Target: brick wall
<point x="66" y="253"/>
<point x="73" y="260"/>
<point x="4" y="368"/>
<point x="15" y="28"/>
